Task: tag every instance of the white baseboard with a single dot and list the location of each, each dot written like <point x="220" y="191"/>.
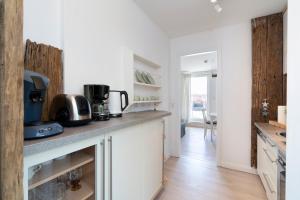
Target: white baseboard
<point x="241" y="168"/>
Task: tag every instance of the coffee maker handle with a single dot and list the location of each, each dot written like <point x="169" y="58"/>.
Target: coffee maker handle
<point x="126" y="100"/>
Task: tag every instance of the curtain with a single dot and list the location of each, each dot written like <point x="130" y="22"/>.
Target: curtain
<point x="186" y="97"/>
<point x="211" y="89"/>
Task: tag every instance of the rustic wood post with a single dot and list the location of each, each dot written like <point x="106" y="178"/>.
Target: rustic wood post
<point x="11" y="99"/>
<point x="267" y="71"/>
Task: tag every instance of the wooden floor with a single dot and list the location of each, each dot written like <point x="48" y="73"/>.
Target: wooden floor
<point x="195" y="176"/>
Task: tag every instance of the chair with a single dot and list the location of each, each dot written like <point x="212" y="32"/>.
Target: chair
<point x="208" y="124"/>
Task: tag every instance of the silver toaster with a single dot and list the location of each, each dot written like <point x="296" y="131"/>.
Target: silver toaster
<point x="70" y="110"/>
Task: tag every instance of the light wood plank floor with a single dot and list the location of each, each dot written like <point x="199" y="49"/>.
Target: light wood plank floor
<point x="195" y="176"/>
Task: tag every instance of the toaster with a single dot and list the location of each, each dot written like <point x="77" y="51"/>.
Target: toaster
<point x="70" y="110"/>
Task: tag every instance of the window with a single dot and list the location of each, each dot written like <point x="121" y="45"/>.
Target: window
<point x="198" y="97"/>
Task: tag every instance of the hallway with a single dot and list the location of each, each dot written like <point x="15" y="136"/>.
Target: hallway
<point x="195" y="176"/>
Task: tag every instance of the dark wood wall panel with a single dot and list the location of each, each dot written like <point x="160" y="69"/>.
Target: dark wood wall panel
<point x="46" y="60"/>
<point x="259" y="70"/>
<point x="267" y="71"/>
<point x="275" y="64"/>
<point x="11" y="99"/>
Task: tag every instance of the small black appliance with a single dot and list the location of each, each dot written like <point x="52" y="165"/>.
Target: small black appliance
<point x="98" y="97"/>
<point x="70" y="110"/>
<point x="35" y="87"/>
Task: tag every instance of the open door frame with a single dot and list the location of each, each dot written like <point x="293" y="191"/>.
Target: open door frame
<point x="11" y="99"/>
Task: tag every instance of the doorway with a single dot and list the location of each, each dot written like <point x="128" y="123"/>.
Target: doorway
<point x="199" y="116"/>
<point x="199" y="97"/>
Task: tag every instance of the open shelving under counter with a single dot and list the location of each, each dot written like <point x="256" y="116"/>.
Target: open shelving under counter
<point x="85" y="192"/>
<point x="59" y="167"/>
<point x="69" y="176"/>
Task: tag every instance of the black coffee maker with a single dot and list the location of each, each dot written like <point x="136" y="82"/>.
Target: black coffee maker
<point x="98" y="97"/>
<point x="35" y="87"/>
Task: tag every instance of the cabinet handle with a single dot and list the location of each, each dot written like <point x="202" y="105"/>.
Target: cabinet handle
<point x="271" y="143"/>
<point x="268" y="183"/>
<point x="262" y="136"/>
<point x="110" y="167"/>
<point x="268" y="155"/>
<point x="103" y="168"/>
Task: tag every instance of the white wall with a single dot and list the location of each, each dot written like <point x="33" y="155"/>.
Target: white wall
<point x="95" y="32"/>
<point x="42" y="21"/>
<point x="293" y="70"/>
<point x="233" y="44"/>
<point x="92" y="34"/>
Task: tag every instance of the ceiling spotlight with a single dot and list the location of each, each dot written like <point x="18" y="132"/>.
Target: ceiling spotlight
<point x="213" y="1"/>
<point x="218" y="8"/>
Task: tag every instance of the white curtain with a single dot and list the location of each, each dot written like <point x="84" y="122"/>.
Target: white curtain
<point x="186" y="97"/>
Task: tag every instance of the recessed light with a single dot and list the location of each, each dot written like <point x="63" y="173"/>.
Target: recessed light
<point x="218" y="8"/>
<point x="213" y="1"/>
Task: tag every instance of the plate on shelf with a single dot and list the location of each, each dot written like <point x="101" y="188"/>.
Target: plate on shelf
<point x="139" y="77"/>
<point x="145" y="78"/>
<point x="150" y="78"/>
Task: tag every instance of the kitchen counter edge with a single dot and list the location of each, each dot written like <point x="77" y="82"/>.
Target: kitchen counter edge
<point x="270" y="132"/>
<point x="94" y="129"/>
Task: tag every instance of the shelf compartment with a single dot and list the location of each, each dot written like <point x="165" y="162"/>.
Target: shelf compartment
<point x="59" y="167"/>
<point x="83" y="193"/>
<point x="144" y="102"/>
<point x="147" y="85"/>
<point x="146" y="61"/>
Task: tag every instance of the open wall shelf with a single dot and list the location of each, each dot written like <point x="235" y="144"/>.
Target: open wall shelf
<point x="139" y="88"/>
<point x="146" y="102"/>
<point x="147" y="85"/>
<point x="146" y="61"/>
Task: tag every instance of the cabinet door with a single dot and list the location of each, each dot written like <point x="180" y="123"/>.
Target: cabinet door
<point x="260" y="157"/>
<point x="261" y="161"/>
<point x="265" y="168"/>
<point x="125" y="171"/>
<point x="153" y="162"/>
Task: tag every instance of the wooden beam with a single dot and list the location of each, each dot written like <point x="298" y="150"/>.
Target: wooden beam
<point x="11" y="99"/>
<point x="267" y="71"/>
<point x="259" y="71"/>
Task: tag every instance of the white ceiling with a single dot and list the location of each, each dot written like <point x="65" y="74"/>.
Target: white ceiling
<point x="199" y="62"/>
<point x="182" y="17"/>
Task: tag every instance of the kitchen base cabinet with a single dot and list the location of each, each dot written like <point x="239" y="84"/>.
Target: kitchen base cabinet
<point x="266" y="165"/>
<point x="153" y="160"/>
<point x="125" y="169"/>
<point x="135" y="162"/>
<point x="261" y="142"/>
<point x="126" y="164"/>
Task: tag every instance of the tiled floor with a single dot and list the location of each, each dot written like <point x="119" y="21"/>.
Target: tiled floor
<point x="195" y="175"/>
